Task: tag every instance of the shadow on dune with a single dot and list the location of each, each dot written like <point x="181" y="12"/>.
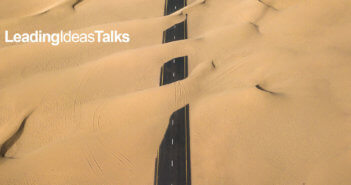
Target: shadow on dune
<point x="262" y="89"/>
<point x="12" y="140"/>
<point x="76" y="3"/>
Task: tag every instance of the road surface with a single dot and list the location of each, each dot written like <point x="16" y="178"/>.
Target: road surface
<point x="173" y="5"/>
<point x="173" y="156"/>
<point x="172" y="164"/>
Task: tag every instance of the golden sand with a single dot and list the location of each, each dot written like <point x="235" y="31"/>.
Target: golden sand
<point x="99" y="115"/>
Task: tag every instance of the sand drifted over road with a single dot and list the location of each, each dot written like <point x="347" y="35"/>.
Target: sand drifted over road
<point x="268" y="84"/>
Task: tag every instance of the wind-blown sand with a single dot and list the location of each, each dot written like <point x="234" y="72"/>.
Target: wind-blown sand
<point x="98" y="114"/>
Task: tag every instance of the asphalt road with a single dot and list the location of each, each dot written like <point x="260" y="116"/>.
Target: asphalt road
<point x="173" y="5"/>
<point x="177" y="32"/>
<point x="173" y="157"/>
<point x="174" y="70"/>
<point x="172" y="164"/>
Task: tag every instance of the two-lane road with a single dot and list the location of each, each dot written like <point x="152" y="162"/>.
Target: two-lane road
<point x="172" y="165"/>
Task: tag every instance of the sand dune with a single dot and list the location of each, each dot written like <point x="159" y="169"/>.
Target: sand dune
<point x="98" y="114"/>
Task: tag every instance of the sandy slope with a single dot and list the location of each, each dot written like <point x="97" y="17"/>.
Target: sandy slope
<point x="98" y="114"/>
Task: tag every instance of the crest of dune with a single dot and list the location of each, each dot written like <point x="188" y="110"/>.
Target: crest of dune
<point x="269" y="92"/>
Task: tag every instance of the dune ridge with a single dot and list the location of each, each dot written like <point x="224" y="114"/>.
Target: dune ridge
<point x="268" y="87"/>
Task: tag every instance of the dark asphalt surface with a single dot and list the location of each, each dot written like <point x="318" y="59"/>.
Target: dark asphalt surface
<point x="174" y="70"/>
<point x="176" y="32"/>
<point x="173" y="5"/>
<point x="172" y="165"/>
<point x="173" y="159"/>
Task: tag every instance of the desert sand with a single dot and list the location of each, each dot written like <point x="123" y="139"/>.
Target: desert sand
<point x="98" y="114"/>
